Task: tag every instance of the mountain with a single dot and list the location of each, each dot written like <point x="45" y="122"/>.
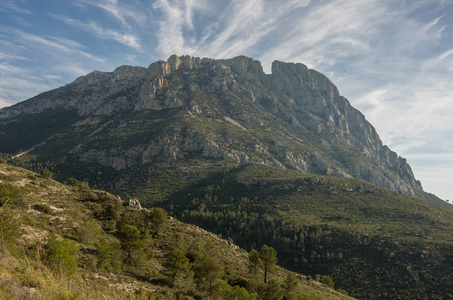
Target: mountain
<point x="68" y="241"/>
<point x="190" y="108"/>
<point x="279" y="159"/>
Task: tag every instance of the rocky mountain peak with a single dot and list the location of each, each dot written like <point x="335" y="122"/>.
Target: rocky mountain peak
<point x="293" y="103"/>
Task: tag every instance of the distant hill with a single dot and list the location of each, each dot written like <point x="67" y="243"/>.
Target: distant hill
<point x="375" y="243"/>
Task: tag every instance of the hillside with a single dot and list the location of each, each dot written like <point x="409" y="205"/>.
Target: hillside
<point x="66" y="242"/>
<point x="375" y="243"/>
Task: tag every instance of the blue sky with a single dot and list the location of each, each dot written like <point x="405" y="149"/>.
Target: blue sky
<point x="392" y="59"/>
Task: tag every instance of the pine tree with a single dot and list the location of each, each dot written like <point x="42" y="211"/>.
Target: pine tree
<point x="268" y="257"/>
<point x="208" y="271"/>
<point x="176" y="263"/>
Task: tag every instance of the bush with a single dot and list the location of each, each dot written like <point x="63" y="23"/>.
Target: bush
<point x="130" y="238"/>
<point x="46" y="174"/>
<point x="327" y="280"/>
<point x="73" y="182"/>
<point x="44" y="208"/>
<point x="273" y="290"/>
<point x="88" y="232"/>
<point x="3" y="161"/>
<point x="61" y="256"/>
<point x="91" y="196"/>
<point x="176" y="263"/>
<point x="109" y="255"/>
<point x="9" y="193"/>
<point x="112" y="208"/>
<point x="81" y="184"/>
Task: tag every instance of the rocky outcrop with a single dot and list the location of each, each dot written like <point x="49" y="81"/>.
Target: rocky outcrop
<point x="294" y="105"/>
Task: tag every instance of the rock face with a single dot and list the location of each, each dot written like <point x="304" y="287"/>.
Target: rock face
<point x="190" y="107"/>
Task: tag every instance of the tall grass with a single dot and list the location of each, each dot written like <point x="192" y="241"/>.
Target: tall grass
<point x="27" y="277"/>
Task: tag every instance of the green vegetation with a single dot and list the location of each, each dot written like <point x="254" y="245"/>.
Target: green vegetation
<point x="358" y="236"/>
<point x="46" y="174"/>
<point x="61" y="255"/>
<point x="67" y="242"/>
<point x="318" y="225"/>
<point x="176" y="263"/>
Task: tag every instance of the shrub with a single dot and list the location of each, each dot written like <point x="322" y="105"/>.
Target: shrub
<point x="43" y="208"/>
<point x="73" y="182"/>
<point x="176" y="263"/>
<point x="273" y="290"/>
<point x="46" y="174"/>
<point x="109" y="255"/>
<point x="130" y="238"/>
<point x="290" y="283"/>
<point x="61" y="255"/>
<point x="327" y="280"/>
<point x="88" y="232"/>
<point x="112" y="208"/>
<point x="81" y="184"/>
<point x="91" y="196"/>
<point x="9" y="193"/>
<point x="32" y="176"/>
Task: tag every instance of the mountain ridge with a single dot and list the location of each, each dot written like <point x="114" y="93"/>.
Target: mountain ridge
<point x="295" y="97"/>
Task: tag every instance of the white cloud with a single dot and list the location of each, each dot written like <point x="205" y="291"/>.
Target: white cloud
<point x="21" y="77"/>
<point x="121" y="12"/>
<point x="228" y="29"/>
<point x="61" y="44"/>
<point x="8" y="5"/>
<point x="95" y="29"/>
<point x="5" y="56"/>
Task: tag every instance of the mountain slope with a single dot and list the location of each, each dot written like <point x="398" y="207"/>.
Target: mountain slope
<point x="39" y="216"/>
<point x="207" y="109"/>
<point x="375" y="243"/>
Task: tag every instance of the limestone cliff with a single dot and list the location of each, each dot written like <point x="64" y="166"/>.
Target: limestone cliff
<point x="190" y="107"/>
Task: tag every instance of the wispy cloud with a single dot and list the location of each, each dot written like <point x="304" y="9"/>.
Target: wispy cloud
<point x="4" y="56"/>
<point x="18" y="83"/>
<point x="227" y="29"/>
<point x="171" y="38"/>
<point x="126" y="15"/>
<point x="19" y="76"/>
<point x="8" y="5"/>
<point x="95" y="29"/>
<point x="58" y="43"/>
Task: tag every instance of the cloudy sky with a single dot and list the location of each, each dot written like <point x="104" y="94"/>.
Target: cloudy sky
<point x="392" y="59"/>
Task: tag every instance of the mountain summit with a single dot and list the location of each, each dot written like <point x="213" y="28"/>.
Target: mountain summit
<point x="190" y="107"/>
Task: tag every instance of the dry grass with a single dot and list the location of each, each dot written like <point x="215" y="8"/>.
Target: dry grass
<point x="28" y="279"/>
